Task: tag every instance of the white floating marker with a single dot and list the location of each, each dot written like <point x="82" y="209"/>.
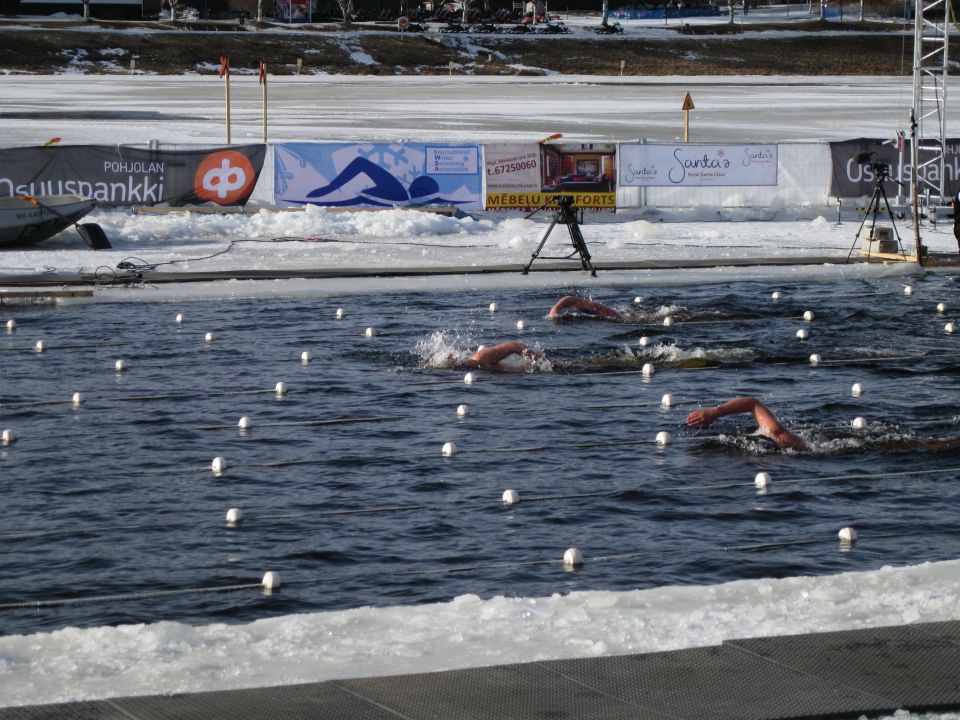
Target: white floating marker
<point x="468" y="379"/>
<point x="572" y="558"/>
<point x="119" y="366"/>
<point x="941" y="308"/>
<point x="858" y="423"/>
<point x="11" y="325"/>
<point x="949" y="328"/>
<point x="510" y="497"/>
<point x="494" y="307"/>
<point x="340" y="313"/>
<point x="280" y="389"/>
<point x="648" y="370"/>
<point x="637" y="300"/>
<point x="856" y="390"/>
<point x="8" y="437"/>
<point x="521" y="325"/>
<point x="244" y="423"/>
<point x="908" y="290"/>
<point x="762" y="480"/>
<point x="847" y="535"/>
<point x="644" y="341"/>
<point x="178" y="319"/>
<point x="271" y="580"/>
<point x="666" y="401"/>
<point x="208" y="337"/>
<point x="776" y="295"/>
<point x="305" y="357"/>
<point x="448" y="450"/>
<point x="463" y="410"/>
<point x="77" y="398"/>
<point x="667" y="321"/>
<point x="234" y="516"/>
<point x="808" y="315"/>
<point x="218" y="465"/>
<point x="370" y="332"/>
<point x="814" y="359"/>
<point x="803" y="334"/>
<point x="40" y="346"/>
<point x="663" y="438"/>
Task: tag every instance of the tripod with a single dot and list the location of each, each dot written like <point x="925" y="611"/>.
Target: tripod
<point x="567" y="214"/>
<point x="882" y="171"/>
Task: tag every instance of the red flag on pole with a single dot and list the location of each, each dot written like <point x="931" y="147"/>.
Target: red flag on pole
<point x="263" y="73"/>
<point x="224" y="66"/>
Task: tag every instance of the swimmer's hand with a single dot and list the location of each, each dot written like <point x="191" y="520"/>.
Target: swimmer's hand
<point x="702" y="418"/>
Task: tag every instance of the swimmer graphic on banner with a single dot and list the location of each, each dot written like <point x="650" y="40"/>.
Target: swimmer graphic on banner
<point x="378" y="175"/>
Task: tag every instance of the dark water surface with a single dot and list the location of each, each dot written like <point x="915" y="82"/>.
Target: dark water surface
<point x="115" y="496"/>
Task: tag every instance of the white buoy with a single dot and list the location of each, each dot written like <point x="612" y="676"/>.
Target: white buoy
<point x="648" y="370"/>
<point x="572" y="558"/>
<point x="77" y="398"/>
<point x="803" y="334"/>
<point x="908" y="290"/>
<point x="521" y="325"/>
<point x="663" y="438"/>
<point x="666" y="401"/>
<point x="448" y="449"/>
<point x="667" y="321"/>
<point x="340" y="313"/>
<point x="463" y="410"/>
<point x="494" y="307"/>
<point x="208" y="337"/>
<point x="11" y="325"/>
<point x="644" y="341"/>
<point x="941" y="308"/>
<point x="776" y="295"/>
<point x="858" y="423"/>
<point x="218" y="465"/>
<point x="637" y="300"/>
<point x="40" y="346"/>
<point x="814" y="359"/>
<point x="280" y="389"/>
<point x="119" y="366"/>
<point x="234" y="516"/>
<point x="178" y="319"/>
<point x="762" y="479"/>
<point x="808" y="315"/>
<point x="370" y="332"/>
<point x="244" y="423"/>
<point x="305" y="357"/>
<point x="949" y="328"/>
<point x="468" y="379"/>
<point x="847" y="535"/>
<point x="856" y="390"/>
<point x="510" y="497"/>
<point x="8" y="437"/>
<point x="271" y="580"/>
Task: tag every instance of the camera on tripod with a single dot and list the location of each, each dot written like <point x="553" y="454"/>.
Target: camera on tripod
<point x="880" y="169"/>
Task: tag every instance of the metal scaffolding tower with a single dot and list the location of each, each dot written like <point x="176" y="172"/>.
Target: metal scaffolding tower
<point x="928" y="115"/>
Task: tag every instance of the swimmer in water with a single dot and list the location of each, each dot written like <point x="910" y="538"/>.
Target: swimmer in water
<point x="768" y="426"/>
<point x="584" y="306"/>
<point x="489" y="358"/>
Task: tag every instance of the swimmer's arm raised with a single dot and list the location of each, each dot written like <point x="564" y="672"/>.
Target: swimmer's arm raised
<point x="488" y="357"/>
<point x="583" y="305"/>
<point x="767" y="422"/>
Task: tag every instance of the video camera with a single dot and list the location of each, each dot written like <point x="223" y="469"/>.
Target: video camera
<point x="881" y="169"/>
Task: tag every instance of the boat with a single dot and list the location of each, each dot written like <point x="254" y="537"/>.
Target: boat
<point x="24" y="221"/>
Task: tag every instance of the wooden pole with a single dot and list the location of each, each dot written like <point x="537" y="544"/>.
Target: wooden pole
<point x="913" y="187"/>
<point x="263" y="85"/>
<point x="225" y="74"/>
<point x="687" y="107"/>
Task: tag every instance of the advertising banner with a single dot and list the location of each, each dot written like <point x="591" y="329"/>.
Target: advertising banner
<point x="856" y="163"/>
<point x="118" y="175"/>
<point x="378" y="175"/>
<point x="697" y="165"/>
<point x="527" y="176"/>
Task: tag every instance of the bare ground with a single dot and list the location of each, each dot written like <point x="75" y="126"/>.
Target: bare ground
<point x="108" y="47"/>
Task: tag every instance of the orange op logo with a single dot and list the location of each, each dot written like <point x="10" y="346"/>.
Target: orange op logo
<point x="225" y="177"/>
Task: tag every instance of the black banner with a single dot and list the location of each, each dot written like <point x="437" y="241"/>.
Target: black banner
<point x="117" y="175"/>
<point x="855" y="168"/>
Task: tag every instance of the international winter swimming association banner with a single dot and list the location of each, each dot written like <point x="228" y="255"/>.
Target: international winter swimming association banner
<point x="377" y="175"/>
<point x="855" y="164"/>
<point x="117" y="175"/>
<point x="526" y="176"/>
<point x="697" y="165"/>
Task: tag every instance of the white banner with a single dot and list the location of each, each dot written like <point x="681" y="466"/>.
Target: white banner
<point x="513" y="167"/>
<point x="697" y="165"/>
